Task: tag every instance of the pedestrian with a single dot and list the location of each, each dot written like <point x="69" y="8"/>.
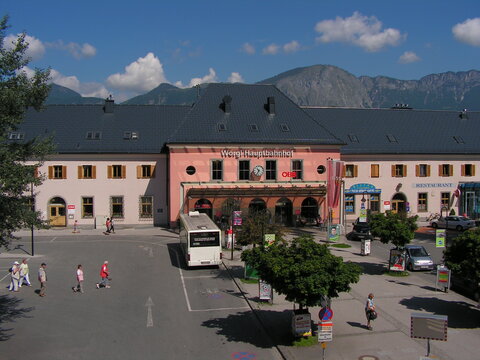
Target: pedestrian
<point x="42" y="277"/>
<point x="104" y="274"/>
<point x="24" y="271"/>
<point x="112" y="229"/>
<point x="80" y="278"/>
<point x="107" y="224"/>
<point x="370" y="312"/>
<point x="14" y="276"/>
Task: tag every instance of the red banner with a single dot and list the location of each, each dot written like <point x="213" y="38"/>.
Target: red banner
<point x="334" y="184"/>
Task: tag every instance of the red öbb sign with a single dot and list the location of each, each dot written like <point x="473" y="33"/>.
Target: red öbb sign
<point x="290" y="174"/>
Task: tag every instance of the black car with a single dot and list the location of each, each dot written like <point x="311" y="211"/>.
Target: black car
<point x="361" y="231"/>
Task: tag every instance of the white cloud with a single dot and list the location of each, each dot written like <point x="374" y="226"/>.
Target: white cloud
<point x="408" y="57"/>
<point x="78" y="51"/>
<point x="248" y="48"/>
<point x="35" y="49"/>
<point x="90" y="89"/>
<point x="365" y="32"/>
<point x="209" y="78"/>
<point x="271" y="49"/>
<point x="140" y="76"/>
<point x="235" y="77"/>
<point x="468" y="32"/>
<point x="291" y="47"/>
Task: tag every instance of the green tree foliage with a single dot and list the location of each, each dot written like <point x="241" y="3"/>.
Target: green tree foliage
<point x="463" y="255"/>
<point x="18" y="92"/>
<point x="303" y="270"/>
<point x="396" y="228"/>
<point x="255" y="225"/>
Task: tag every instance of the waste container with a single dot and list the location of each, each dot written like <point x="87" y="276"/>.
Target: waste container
<point x="365" y="248"/>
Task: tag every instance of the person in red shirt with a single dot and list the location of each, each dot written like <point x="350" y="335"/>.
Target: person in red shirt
<point x="105" y="275"/>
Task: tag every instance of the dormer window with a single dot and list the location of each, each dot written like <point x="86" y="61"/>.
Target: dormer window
<point x="16" y="136"/>
<point x="353" y="138"/>
<point x="285" y="127"/>
<point x="391" y="138"/>
<point x="93" y="135"/>
<point x="130" y="135"/>
<point x="222" y="127"/>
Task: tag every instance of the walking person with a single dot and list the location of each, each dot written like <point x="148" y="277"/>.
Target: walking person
<point x="42" y="278"/>
<point x="24" y="271"/>
<point x="14" y="276"/>
<point x="80" y="278"/>
<point x="104" y="274"/>
<point x="370" y="312"/>
<point x="108" y="223"/>
<point x="112" y="229"/>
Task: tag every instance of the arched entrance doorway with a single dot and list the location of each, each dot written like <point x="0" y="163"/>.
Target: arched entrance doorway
<point x="204" y="206"/>
<point x="257" y="205"/>
<point x="283" y="212"/>
<point x="309" y="210"/>
<point x="399" y="203"/>
<point x="57" y="212"/>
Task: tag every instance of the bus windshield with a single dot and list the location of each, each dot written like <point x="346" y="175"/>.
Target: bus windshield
<point x="202" y="239"/>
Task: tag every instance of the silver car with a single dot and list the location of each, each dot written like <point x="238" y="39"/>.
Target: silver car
<point x="418" y="258"/>
<point x="453" y="222"/>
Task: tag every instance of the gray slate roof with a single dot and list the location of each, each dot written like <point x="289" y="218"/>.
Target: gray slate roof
<point x="416" y="131"/>
<point x="248" y="106"/>
<point x="70" y="123"/>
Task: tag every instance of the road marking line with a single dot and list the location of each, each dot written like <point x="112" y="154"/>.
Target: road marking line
<point x="149" y="305"/>
<point x="53" y="239"/>
<point x="221" y="309"/>
<point x="183" y="283"/>
<point x="201" y="277"/>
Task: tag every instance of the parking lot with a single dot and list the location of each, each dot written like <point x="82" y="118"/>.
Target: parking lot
<point x="154" y="309"/>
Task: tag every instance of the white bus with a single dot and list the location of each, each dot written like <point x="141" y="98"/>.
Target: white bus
<point x="200" y="239"/>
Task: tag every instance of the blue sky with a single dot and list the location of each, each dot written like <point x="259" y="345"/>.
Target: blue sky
<point x="126" y="48"/>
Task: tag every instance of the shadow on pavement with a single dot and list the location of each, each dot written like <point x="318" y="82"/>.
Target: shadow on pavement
<point x="426" y="287"/>
<point x="238" y="328"/>
<point x="357" y="324"/>
<point x="460" y="314"/>
<point x="9" y="311"/>
<point x="372" y="268"/>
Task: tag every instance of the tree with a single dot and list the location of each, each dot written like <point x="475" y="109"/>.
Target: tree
<point x="18" y="92"/>
<point x="463" y="256"/>
<point x="396" y="228"/>
<point x="303" y="270"/>
<point x="254" y="226"/>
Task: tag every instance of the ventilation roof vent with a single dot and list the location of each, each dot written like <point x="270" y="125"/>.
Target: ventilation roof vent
<point x="458" y="139"/>
<point x="285" y="127"/>
<point x="222" y="127"/>
<point x="391" y="138"/>
<point x="353" y="138"/>
<point x="253" y="127"/>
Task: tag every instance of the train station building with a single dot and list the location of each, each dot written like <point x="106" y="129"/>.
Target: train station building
<point x="246" y="148"/>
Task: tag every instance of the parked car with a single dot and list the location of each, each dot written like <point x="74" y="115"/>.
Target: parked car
<point x="418" y="258"/>
<point x="465" y="286"/>
<point x="361" y="231"/>
<point x="453" y="222"/>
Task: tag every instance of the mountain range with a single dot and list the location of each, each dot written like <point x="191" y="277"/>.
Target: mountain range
<point x="329" y="86"/>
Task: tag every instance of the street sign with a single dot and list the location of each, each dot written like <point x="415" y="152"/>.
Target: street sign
<point x="325" y="331"/>
<point x="325" y="314"/>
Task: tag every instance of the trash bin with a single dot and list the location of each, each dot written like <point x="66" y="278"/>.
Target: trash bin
<point x="365" y="249"/>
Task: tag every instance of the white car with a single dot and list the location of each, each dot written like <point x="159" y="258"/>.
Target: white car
<point x="453" y="222"/>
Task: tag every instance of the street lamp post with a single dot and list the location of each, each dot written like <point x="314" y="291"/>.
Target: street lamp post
<point x="33" y="210"/>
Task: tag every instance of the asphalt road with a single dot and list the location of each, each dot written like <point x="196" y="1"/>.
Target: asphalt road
<point x="155" y="309"/>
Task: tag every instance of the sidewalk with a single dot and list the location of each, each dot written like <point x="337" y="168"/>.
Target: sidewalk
<point x="396" y="298"/>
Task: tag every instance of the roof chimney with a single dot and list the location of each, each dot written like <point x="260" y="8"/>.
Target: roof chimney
<point x="226" y="104"/>
<point x="463" y="114"/>
<point x="109" y="103"/>
<point x="270" y="105"/>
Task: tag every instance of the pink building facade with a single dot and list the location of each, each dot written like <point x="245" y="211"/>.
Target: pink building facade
<point x="288" y="181"/>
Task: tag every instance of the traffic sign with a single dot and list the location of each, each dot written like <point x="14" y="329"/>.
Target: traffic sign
<point x="325" y="314"/>
<point x="327" y="336"/>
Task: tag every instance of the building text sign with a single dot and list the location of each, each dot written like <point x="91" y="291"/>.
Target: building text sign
<point x="258" y="154"/>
